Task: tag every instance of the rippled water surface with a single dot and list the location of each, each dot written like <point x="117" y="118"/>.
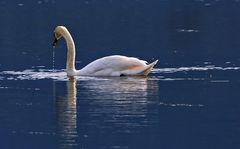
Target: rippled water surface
<point x="173" y="107"/>
<point x="190" y="100"/>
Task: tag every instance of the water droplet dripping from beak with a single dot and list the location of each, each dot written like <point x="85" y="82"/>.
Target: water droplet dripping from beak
<point x="53" y="59"/>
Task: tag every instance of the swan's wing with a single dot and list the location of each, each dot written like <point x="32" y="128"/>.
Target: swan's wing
<point x="144" y="71"/>
<point x="117" y="65"/>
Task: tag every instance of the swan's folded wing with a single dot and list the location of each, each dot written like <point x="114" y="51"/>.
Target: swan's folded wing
<point x="116" y="66"/>
<point x="139" y="70"/>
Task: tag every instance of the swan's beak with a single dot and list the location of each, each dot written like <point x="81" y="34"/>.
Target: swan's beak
<point x="55" y="40"/>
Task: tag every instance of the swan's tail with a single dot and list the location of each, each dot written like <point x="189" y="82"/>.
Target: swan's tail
<point x="139" y="71"/>
<point x="148" y="68"/>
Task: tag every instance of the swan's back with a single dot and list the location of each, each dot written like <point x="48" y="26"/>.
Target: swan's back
<point x="116" y="65"/>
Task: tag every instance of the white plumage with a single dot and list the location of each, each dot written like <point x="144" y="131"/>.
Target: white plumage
<point x="115" y="65"/>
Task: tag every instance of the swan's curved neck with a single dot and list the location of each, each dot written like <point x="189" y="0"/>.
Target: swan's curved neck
<point x="70" y="66"/>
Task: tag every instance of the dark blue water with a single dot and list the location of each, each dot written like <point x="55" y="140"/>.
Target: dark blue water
<point x="190" y="100"/>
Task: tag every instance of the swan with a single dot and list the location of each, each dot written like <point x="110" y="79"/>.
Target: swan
<point x="115" y="65"/>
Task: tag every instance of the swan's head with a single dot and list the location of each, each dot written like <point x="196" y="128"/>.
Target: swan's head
<point x="58" y="34"/>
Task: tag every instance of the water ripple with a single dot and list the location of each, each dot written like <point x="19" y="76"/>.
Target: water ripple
<point x="40" y="74"/>
<point x="180" y="105"/>
<point x="60" y="75"/>
<point x="183" y="69"/>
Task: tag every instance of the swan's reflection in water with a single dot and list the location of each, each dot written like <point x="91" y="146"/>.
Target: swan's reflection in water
<point x="122" y="104"/>
<point x="67" y="116"/>
<point x="107" y="108"/>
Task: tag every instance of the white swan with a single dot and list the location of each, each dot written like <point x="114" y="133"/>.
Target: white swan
<point x="115" y="65"/>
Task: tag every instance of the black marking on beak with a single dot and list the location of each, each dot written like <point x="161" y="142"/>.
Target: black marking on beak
<point x="55" y="40"/>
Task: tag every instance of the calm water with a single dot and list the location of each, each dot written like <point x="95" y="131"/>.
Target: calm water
<point x="190" y="100"/>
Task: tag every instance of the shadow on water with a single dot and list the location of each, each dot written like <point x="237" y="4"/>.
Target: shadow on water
<point x="66" y="113"/>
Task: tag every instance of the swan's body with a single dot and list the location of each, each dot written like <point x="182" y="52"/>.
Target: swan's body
<point x="115" y="65"/>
